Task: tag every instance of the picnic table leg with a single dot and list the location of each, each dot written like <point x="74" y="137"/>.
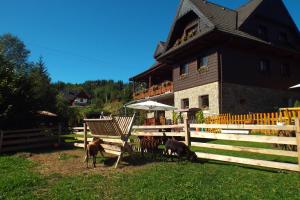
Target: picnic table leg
<point x="85" y="135"/>
<point x="118" y="160"/>
<point x="124" y="148"/>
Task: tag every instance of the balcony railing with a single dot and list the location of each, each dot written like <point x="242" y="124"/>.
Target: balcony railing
<point x="155" y="90"/>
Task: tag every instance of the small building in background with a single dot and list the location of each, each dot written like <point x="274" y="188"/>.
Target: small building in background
<point x="77" y="98"/>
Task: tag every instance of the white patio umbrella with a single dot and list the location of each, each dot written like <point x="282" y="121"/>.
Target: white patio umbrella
<point x="295" y="86"/>
<point x="150" y="105"/>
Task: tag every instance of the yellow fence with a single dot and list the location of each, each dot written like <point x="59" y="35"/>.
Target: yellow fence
<point x="285" y="116"/>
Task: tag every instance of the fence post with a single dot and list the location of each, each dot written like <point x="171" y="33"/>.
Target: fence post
<point x="187" y="132"/>
<point x="59" y="133"/>
<point x="297" y="120"/>
<point x="1" y="140"/>
<point x="85" y="135"/>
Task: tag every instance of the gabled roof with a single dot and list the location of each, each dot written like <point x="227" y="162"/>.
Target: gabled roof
<point x="266" y="8"/>
<point x="72" y="95"/>
<point x="184" y="7"/>
<point x="220" y="16"/>
<point x="246" y="10"/>
<point x="215" y="16"/>
<point x="224" y="19"/>
<point x="160" y="49"/>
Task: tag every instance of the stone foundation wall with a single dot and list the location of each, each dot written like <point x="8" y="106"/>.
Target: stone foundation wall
<point x="240" y="99"/>
<point x="193" y="94"/>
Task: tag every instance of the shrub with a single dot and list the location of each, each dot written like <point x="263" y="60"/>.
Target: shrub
<point x="200" y="117"/>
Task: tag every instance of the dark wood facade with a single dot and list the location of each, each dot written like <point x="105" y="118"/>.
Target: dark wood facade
<point x="195" y="77"/>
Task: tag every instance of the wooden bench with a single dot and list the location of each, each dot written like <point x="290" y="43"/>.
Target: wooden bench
<point x="114" y="131"/>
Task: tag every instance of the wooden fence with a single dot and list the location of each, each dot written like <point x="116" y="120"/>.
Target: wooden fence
<point x="79" y="135"/>
<point x="16" y="140"/>
<point x="284" y="116"/>
<point x="189" y="133"/>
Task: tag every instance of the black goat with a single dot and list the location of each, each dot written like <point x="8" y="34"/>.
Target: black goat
<point x="181" y="149"/>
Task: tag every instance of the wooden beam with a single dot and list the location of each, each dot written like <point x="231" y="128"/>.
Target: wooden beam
<point x="82" y="133"/>
<point x="118" y="141"/>
<point x="187" y="132"/>
<point x="245" y="138"/>
<point x="248" y="161"/>
<point x="30" y="140"/>
<point x="111" y="147"/>
<point x="160" y="134"/>
<point x="106" y="136"/>
<point x="28" y="146"/>
<point x="81" y="145"/>
<point x="245" y="127"/>
<point x="23" y="131"/>
<point x="85" y="135"/>
<point x="22" y="135"/>
<point x="1" y="140"/>
<point x="246" y="149"/>
<point x="59" y="132"/>
<point x="158" y="127"/>
<point x="112" y="152"/>
<point x="297" y="121"/>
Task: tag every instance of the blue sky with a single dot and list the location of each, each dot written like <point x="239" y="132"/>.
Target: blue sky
<point x="96" y="39"/>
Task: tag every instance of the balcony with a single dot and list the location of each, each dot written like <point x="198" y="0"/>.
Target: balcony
<point x="155" y="90"/>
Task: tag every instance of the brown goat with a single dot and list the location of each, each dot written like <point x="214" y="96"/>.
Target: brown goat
<point x="92" y="150"/>
<point x="150" y="144"/>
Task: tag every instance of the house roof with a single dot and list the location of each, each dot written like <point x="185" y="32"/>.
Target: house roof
<point x="246" y="10"/>
<point x="159" y="49"/>
<point x="222" y="18"/>
<point x="154" y="67"/>
<point x="72" y="95"/>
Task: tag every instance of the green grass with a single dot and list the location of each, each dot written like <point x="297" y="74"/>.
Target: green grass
<point x="161" y="180"/>
<point x="17" y="181"/>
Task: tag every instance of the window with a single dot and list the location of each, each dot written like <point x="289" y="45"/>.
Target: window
<point x="264" y="66"/>
<point x="202" y="62"/>
<point x="185" y="103"/>
<point x="285" y="70"/>
<point x="283" y="37"/>
<point x="263" y="32"/>
<point x="184" y="69"/>
<point x="204" y="102"/>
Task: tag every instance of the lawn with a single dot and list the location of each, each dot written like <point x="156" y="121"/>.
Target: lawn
<point x="62" y="175"/>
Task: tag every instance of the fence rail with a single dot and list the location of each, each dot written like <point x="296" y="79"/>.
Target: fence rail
<point x="28" y="139"/>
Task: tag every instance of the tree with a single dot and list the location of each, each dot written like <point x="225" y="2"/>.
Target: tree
<point x="25" y="87"/>
<point x="14" y="51"/>
<point x="15" y="101"/>
<point x="43" y="93"/>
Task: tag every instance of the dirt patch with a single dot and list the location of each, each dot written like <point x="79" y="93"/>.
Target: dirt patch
<point x="71" y="162"/>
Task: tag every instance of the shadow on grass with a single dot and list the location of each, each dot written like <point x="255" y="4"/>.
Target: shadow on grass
<point x="137" y="160"/>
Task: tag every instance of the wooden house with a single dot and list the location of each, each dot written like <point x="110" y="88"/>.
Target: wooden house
<point x="77" y="98"/>
<point x="225" y="61"/>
